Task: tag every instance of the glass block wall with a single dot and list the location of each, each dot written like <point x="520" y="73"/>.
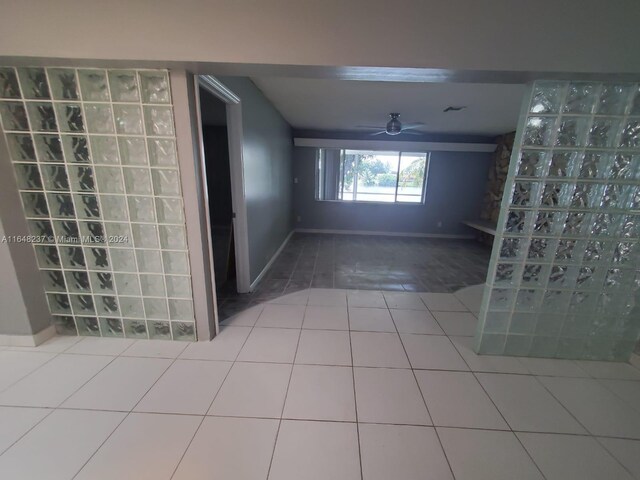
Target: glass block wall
<point x="95" y="159"/>
<point x="564" y="278"/>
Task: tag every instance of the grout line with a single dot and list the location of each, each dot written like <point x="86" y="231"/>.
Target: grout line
<point x="355" y="396"/>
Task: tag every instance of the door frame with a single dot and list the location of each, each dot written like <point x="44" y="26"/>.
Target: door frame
<point x="236" y="163"/>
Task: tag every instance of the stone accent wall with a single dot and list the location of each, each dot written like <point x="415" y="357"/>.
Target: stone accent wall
<point x="497" y="178"/>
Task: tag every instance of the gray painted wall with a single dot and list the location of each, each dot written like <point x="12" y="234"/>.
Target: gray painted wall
<point x="456" y="183"/>
<point x="268" y="154"/>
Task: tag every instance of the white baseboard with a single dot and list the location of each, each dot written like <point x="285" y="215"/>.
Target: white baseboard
<point x="273" y="259"/>
<point x="384" y="234"/>
<point x="28" y="340"/>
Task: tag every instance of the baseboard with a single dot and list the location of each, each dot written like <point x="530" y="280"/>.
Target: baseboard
<point x="28" y="340"/>
<point x="270" y="262"/>
<point x="385" y="234"/>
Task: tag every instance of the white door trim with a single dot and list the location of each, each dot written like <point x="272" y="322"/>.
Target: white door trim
<point x="236" y="163"/>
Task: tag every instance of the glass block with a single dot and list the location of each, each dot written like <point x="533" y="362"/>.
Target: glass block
<point x="72" y="258"/>
<point x="152" y="285"/>
<point x="47" y="256"/>
<point x="546" y="223"/>
<point x="581" y="98"/>
<point x="133" y="151"/>
<point x="159" y="330"/>
<point x="105" y="150"/>
<point x="131" y="307"/>
<point x="9" y="87"/>
<point x="166" y="182"/>
<point x="556" y="194"/>
<point x="595" y="251"/>
<point x="61" y="205"/>
<point x="630" y="226"/>
<point x="42" y="117"/>
<point x="76" y="148"/>
<point x="28" y="176"/>
<point x="53" y="281"/>
<point x="175" y="262"/>
<point x="99" y="118"/>
<point x="127" y="284"/>
<point x="614" y="99"/>
<point x="156" y="308"/>
<point x="82" y="304"/>
<point x="135" y="329"/>
<point x="626" y="253"/>
<point x="586" y="195"/>
<point x="541" y="249"/>
<point x="497" y="322"/>
<point x="82" y="178"/>
<point x="49" y="148"/>
<point x="566" y="250"/>
<point x="21" y="148"/>
<point x="625" y="167"/>
<point x="63" y="83"/>
<point x="511" y="248"/>
<point x="109" y="179"/>
<point x="162" y="152"/>
<point x="55" y="177"/>
<point x="137" y="181"/>
<point x="155" y="87"/>
<point x="124" y="85"/>
<point x="42" y="230"/>
<point x="173" y="237"/>
<point x="501" y="299"/>
<point x="604" y="224"/>
<point x="555" y="301"/>
<point x="141" y="209"/>
<point x="178" y="286"/>
<point x="577" y="224"/>
<point x="114" y="207"/>
<point x="59" y="303"/>
<point x="565" y="164"/>
<point x="595" y="165"/>
<point x="586" y="278"/>
<point x="492" y="344"/>
<point x="558" y="277"/>
<point x="505" y="275"/>
<point x="97" y="258"/>
<point x="13" y="116"/>
<point x="123" y="260"/>
<point x="70" y="118"/>
<point x="549" y="324"/>
<point x="180" y="309"/>
<point x="128" y="119"/>
<point x="67" y="231"/>
<point x="159" y="121"/>
<point x="572" y="131"/>
<point x="93" y="84"/>
<point x="539" y="131"/>
<point x="34" y="83"/>
<point x="583" y="302"/>
<point x="547" y="98"/>
<point x="170" y="210"/>
<point x="106" y="305"/>
<point x="149" y="261"/>
<point x="630" y="137"/>
<point x="528" y="300"/>
<point x="525" y="194"/>
<point x="119" y="234"/>
<point x="111" y="327"/>
<point x="603" y="133"/>
<point x="523" y="323"/>
<point x="87" y="206"/>
<point x="544" y="347"/>
<point x="64" y="325"/>
<point x="145" y="235"/>
<point x="184" y="331"/>
<point x="103" y="283"/>
<point x="534" y="275"/>
<point x="35" y="204"/>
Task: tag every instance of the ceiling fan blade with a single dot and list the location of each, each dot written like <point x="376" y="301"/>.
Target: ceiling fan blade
<point x="378" y="133"/>
<point x="412" y="132"/>
<point x="372" y="127"/>
<point x="412" y="125"/>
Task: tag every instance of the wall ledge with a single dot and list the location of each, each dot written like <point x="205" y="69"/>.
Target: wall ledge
<point x="384" y="234"/>
<point x="28" y="340"/>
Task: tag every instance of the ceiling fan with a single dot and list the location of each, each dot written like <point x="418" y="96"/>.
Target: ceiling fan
<point x="395" y="127"/>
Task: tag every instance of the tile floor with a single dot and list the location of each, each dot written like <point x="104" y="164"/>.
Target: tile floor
<point x="365" y="263"/>
<point x="319" y="384"/>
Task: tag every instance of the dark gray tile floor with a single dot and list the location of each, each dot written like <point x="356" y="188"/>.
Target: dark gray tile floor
<point x="366" y="263"/>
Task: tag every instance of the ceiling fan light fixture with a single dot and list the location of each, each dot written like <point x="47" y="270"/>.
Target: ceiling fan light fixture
<point x="394" y="126"/>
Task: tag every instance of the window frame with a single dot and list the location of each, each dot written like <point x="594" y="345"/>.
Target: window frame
<point x="320" y="182"/>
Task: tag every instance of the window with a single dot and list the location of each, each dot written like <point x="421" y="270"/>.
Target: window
<point x="371" y="176"/>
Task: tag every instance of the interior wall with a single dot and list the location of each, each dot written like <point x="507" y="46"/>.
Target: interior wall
<point x="546" y="35"/>
<point x="267" y="154"/>
<point x="455" y="186"/>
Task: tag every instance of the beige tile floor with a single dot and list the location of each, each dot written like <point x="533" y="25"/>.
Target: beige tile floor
<point x="320" y="384"/>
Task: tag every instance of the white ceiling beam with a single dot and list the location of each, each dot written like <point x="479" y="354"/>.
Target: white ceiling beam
<point x="395" y="145"/>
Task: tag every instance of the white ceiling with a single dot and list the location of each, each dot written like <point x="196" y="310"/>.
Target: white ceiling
<point x="319" y="104"/>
